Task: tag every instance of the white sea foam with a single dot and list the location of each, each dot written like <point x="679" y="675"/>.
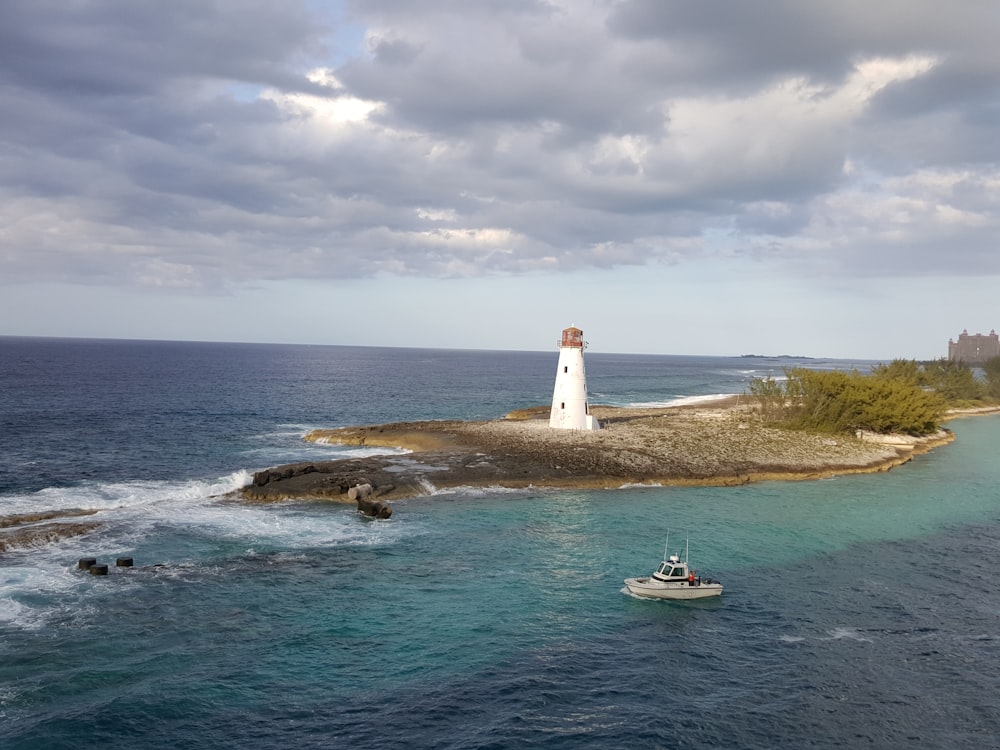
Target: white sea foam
<point x="161" y="522"/>
<point x="116" y="495"/>
<point x="275" y="525"/>
<point x="791" y="638"/>
<point x="847" y="633"/>
<point x="10" y="610"/>
<point x="477" y="491"/>
<point x="682" y="401"/>
<point x="625" y="590"/>
<point x="7" y="696"/>
<point x="323" y="449"/>
<point x="287" y="444"/>
<point x="338" y="450"/>
<point x="32" y="594"/>
<point x="132" y="510"/>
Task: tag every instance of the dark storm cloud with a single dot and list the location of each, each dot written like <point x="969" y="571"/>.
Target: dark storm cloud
<point x="735" y="39"/>
<point x="106" y="47"/>
<point x="201" y="142"/>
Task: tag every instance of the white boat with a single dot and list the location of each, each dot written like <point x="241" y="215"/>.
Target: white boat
<point x="674" y="580"/>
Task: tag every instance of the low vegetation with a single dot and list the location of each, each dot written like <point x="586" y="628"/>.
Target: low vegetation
<point x="903" y="396"/>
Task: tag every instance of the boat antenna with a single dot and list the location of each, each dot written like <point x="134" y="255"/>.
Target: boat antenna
<point x="686" y="540"/>
<point x="666" y="544"/>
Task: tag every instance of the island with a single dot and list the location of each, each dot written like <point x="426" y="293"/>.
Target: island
<point x="722" y="442"/>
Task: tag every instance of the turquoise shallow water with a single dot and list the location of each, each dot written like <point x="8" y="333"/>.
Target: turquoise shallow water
<point x="859" y="611"/>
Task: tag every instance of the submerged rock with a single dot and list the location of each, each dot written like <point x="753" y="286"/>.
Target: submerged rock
<point x="44" y="533"/>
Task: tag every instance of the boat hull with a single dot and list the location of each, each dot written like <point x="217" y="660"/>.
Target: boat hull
<point x="679" y="591"/>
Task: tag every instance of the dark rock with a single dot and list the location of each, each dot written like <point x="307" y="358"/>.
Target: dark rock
<point x="359" y="492"/>
<point x="374" y="508"/>
<point x="265" y="477"/>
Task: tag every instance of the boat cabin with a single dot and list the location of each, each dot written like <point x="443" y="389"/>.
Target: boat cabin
<point x="672" y="569"/>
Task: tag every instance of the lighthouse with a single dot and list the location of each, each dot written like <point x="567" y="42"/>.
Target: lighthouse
<point x="570" y="410"/>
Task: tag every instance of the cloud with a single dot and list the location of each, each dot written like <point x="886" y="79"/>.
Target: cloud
<point x="211" y="144"/>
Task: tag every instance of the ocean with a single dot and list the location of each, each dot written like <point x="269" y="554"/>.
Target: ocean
<point x="859" y="612"/>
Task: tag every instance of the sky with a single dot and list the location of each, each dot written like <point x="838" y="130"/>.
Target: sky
<point x="718" y="177"/>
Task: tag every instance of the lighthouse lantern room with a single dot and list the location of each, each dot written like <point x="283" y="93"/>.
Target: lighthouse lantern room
<point x="570" y="410"/>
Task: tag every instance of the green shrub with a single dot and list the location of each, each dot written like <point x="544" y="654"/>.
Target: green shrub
<point x="890" y="399"/>
<point x="991" y="369"/>
<point x="770" y="397"/>
<point x="906" y="370"/>
<point x="953" y="379"/>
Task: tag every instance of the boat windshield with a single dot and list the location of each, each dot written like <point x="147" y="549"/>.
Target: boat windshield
<point x="671" y="570"/>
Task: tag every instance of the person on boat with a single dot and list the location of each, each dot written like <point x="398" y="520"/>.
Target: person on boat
<point x="691" y="578"/>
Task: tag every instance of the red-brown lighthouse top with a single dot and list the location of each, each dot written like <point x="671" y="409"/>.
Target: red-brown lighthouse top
<point x="572" y="336"/>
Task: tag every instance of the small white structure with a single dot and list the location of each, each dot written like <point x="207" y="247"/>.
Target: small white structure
<point x="570" y="410"/>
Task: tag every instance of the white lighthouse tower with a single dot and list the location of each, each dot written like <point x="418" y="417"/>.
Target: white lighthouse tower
<point x="570" y="410"/>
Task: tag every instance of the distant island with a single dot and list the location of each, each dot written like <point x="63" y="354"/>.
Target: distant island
<point x="774" y="356"/>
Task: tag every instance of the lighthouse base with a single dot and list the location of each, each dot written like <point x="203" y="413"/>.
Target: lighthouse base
<point x="563" y="421"/>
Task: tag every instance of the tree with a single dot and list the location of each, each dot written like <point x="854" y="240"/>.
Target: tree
<point x="838" y="401"/>
<point x="906" y="370"/>
<point x="954" y="380"/>
<point x="991" y="369"/>
<point x="770" y="398"/>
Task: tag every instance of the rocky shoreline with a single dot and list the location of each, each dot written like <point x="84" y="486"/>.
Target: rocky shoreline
<point x="719" y="443"/>
<point x="722" y="443"/>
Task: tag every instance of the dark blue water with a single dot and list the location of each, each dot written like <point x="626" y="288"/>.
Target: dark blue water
<point x="859" y="611"/>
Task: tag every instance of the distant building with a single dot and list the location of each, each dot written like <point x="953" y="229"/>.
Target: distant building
<point x="974" y="350"/>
